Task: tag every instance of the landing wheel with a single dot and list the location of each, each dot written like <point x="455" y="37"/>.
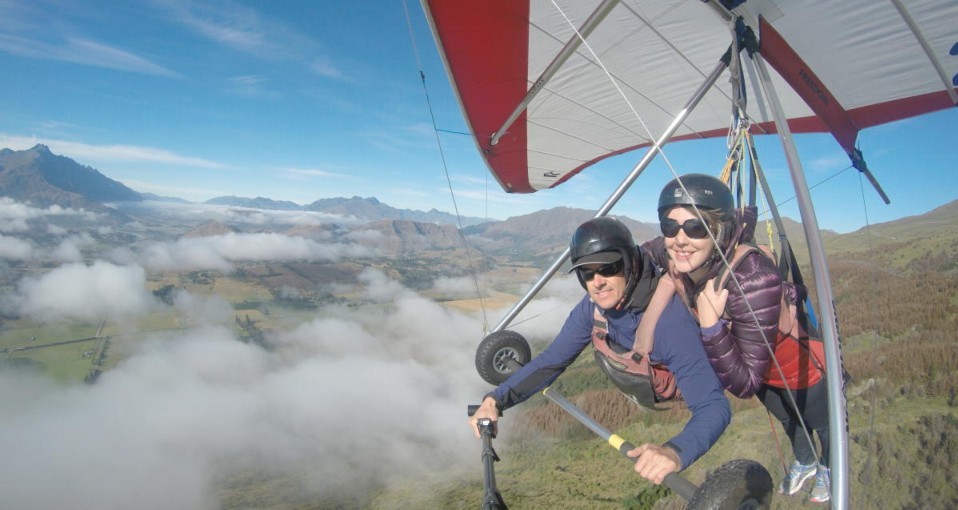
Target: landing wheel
<point x="739" y="484"/>
<point x="499" y="353"/>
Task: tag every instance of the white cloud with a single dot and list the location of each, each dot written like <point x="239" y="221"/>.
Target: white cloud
<point x="246" y="30"/>
<point x="232" y="214"/>
<point x="85" y="293"/>
<point x="202" y="310"/>
<point x="251" y="86"/>
<point x="457" y="287"/>
<point x="15" y="216"/>
<point x="108" y="153"/>
<point x="324" y="66"/>
<point x="14" y="248"/>
<point x="310" y="172"/>
<point x="368" y="236"/>
<point x="219" y="252"/>
<point x="56" y="230"/>
<point x="82" y="51"/>
<point x="69" y="249"/>
<point x="337" y="404"/>
<point x="541" y="318"/>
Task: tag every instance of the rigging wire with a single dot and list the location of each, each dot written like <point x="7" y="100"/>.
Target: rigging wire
<point x="445" y="167"/>
<point x="453" y="132"/>
<point x="819" y="183"/>
<point x="735" y="153"/>
<point x="869" y="464"/>
<point x="740" y="124"/>
<point x="615" y="84"/>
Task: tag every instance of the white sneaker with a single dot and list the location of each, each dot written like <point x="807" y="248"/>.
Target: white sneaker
<point x="796" y="478"/>
<point x="821" y="491"/>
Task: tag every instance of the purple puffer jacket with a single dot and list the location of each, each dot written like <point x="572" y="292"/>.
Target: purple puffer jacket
<point x="736" y="346"/>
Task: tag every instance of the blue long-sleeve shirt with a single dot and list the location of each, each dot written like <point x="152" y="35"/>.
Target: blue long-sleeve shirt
<point x="676" y="344"/>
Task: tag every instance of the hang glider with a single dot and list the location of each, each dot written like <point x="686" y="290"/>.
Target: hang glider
<point x="550" y="87"/>
<point x="542" y="107"/>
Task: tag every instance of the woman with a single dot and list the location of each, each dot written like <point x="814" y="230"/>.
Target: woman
<point x="739" y="320"/>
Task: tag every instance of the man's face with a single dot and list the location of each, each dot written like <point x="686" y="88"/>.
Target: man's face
<point x="606" y="291"/>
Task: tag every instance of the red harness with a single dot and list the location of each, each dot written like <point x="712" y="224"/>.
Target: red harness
<point x="627" y="372"/>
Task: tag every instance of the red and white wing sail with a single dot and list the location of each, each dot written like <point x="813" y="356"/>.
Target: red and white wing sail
<point x="839" y="66"/>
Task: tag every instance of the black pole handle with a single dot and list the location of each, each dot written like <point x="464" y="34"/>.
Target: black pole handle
<point x="492" y="498"/>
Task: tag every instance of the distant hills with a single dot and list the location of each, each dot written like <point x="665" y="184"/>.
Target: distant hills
<point x="365" y="209"/>
<point x="44" y="179"/>
<point x="543" y="232"/>
<point x="40" y="177"/>
<point x="256" y="203"/>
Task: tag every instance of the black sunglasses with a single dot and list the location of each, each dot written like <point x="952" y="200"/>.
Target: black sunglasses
<point x="694" y="228"/>
<point x="604" y="271"/>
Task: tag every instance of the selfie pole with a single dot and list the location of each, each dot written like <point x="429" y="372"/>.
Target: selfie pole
<point x="673" y="481"/>
<point x="491" y="498"/>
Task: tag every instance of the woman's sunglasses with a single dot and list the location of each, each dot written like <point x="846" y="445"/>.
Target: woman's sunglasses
<point x="604" y="271"/>
<point x="694" y="228"/>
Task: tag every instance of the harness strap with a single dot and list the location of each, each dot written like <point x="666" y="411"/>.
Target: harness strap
<point x="645" y="333"/>
<point x="640" y="379"/>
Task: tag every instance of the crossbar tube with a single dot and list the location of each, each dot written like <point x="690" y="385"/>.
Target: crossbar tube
<point x="622" y="188"/>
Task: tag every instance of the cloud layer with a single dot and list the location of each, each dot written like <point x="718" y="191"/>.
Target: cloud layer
<point x="350" y="396"/>
<point x="85" y="293"/>
<point x="352" y="399"/>
<point x="219" y="252"/>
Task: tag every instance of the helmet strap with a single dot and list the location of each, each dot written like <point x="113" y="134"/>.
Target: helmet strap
<point x="631" y="278"/>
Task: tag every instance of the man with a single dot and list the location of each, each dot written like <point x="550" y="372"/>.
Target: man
<point x="620" y="281"/>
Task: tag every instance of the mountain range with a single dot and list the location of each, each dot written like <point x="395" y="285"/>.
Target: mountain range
<point x="40" y="177"/>
<point x="43" y="178"/>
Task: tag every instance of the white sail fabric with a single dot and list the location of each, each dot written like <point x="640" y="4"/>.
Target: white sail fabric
<point x="839" y="66"/>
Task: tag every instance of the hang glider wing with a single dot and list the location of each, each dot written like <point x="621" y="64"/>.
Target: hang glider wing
<point x="543" y="105"/>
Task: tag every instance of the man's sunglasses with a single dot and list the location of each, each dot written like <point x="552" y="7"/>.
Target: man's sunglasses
<point x="604" y="271"/>
<point x="694" y="228"/>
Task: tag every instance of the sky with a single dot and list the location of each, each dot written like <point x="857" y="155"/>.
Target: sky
<point x="306" y="100"/>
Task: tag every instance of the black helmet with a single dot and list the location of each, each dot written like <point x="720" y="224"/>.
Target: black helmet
<point x="600" y="235"/>
<point x="704" y="191"/>
<point x="603" y="241"/>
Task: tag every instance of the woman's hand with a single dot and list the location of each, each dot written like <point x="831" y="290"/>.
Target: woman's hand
<point x="710" y="304"/>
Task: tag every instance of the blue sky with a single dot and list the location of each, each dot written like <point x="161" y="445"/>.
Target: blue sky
<point x="306" y="100"/>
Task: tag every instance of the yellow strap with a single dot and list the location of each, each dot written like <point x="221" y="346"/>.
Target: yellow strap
<point x="734" y="155"/>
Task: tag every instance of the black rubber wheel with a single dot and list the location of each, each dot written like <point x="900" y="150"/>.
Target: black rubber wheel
<point x="738" y="484"/>
<point x="496" y="353"/>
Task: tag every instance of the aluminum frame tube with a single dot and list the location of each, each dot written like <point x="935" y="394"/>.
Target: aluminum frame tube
<point x="593" y="21"/>
<point x="621" y="189"/>
<point x="926" y="47"/>
<point x="673" y="481"/>
<point x="838" y="418"/>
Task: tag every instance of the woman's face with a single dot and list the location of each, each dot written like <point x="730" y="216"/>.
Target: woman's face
<point x="687" y="254"/>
